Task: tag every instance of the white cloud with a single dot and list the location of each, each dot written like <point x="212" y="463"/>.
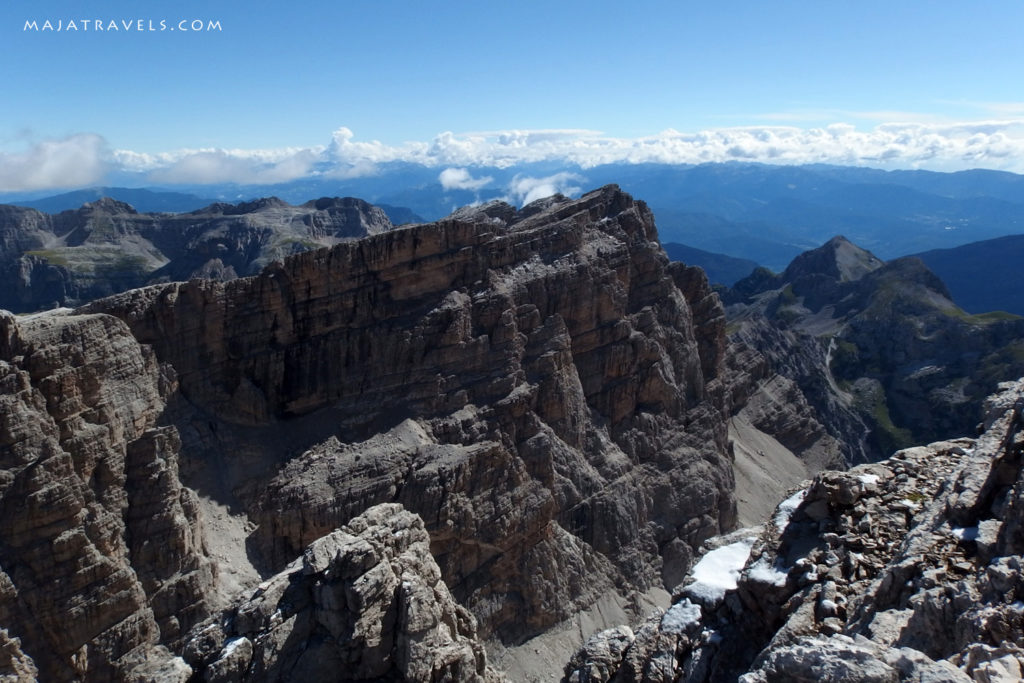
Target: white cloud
<point x="461" y="179"/>
<point x="524" y="189"/>
<point x="224" y="166"/>
<point x="55" y="164"/>
<point x="84" y="159"/>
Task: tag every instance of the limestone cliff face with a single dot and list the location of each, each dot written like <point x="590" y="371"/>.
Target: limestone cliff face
<point x="908" y="569"/>
<point x="534" y="384"/>
<point x="101" y="557"/>
<point x="780" y="381"/>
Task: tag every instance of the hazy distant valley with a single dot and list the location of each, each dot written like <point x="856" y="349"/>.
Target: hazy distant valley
<point x="759" y="214"/>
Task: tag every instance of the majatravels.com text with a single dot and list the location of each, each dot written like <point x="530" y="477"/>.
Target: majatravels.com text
<point x="122" y="25"/>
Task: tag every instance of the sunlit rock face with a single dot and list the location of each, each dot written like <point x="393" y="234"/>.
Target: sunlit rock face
<point x="539" y="386"/>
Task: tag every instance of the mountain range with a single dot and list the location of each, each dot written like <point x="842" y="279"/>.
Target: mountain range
<point x="764" y="213"/>
<point x="880" y="346"/>
<point x="106" y="246"/>
<point x="455" y="450"/>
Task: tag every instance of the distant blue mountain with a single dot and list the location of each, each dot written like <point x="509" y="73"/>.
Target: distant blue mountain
<point x="148" y="201"/>
<point x="769" y="214"/>
<point x="983" y="276"/>
<point x="762" y="213"/>
<point x="720" y="269"/>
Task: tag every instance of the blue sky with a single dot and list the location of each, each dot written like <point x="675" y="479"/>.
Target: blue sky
<point x="278" y="81"/>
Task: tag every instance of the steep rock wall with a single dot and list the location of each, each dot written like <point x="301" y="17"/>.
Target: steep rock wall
<point x="533" y="384"/>
<point x="101" y="556"/>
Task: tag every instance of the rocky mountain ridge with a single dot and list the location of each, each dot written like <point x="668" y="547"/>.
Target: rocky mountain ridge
<point x="485" y="353"/>
<point x="106" y="246"/>
<point x="466" y="431"/>
<point x="903" y="570"/>
<point x="878" y="348"/>
<point x="541" y="387"/>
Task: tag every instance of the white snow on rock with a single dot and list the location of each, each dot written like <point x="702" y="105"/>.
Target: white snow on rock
<point x="718" y="571"/>
<point x="231" y="646"/>
<point x="680" y="617"/>
<point x="868" y="479"/>
<point x="966" y="534"/>
<point x="787" y="508"/>
<point x="762" y="572"/>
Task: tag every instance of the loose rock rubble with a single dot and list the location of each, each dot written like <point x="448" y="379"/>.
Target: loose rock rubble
<point x="903" y="570"/>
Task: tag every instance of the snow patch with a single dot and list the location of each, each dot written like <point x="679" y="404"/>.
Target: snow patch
<point x="787" y="508"/>
<point x="719" y="570"/>
<point x="231" y="646"/>
<point x="680" y="617"/>
<point x="762" y="572"/>
<point x="966" y="533"/>
<point x="869" y="479"/>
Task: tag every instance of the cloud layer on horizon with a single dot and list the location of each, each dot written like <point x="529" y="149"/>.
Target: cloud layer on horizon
<point x="74" y="161"/>
<point x="86" y="159"/>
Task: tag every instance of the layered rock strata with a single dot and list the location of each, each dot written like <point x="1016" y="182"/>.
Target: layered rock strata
<point x="779" y="383"/>
<point x="101" y="555"/>
<point x="905" y="570"/>
<point x="534" y="384"/>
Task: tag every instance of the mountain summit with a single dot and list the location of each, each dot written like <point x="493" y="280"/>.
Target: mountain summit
<point x="881" y="344"/>
<point x="540" y="387"/>
<point x="838" y="259"/>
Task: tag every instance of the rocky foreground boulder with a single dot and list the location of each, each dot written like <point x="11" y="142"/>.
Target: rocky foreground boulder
<point x="908" y="569"/>
<point x="365" y="602"/>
